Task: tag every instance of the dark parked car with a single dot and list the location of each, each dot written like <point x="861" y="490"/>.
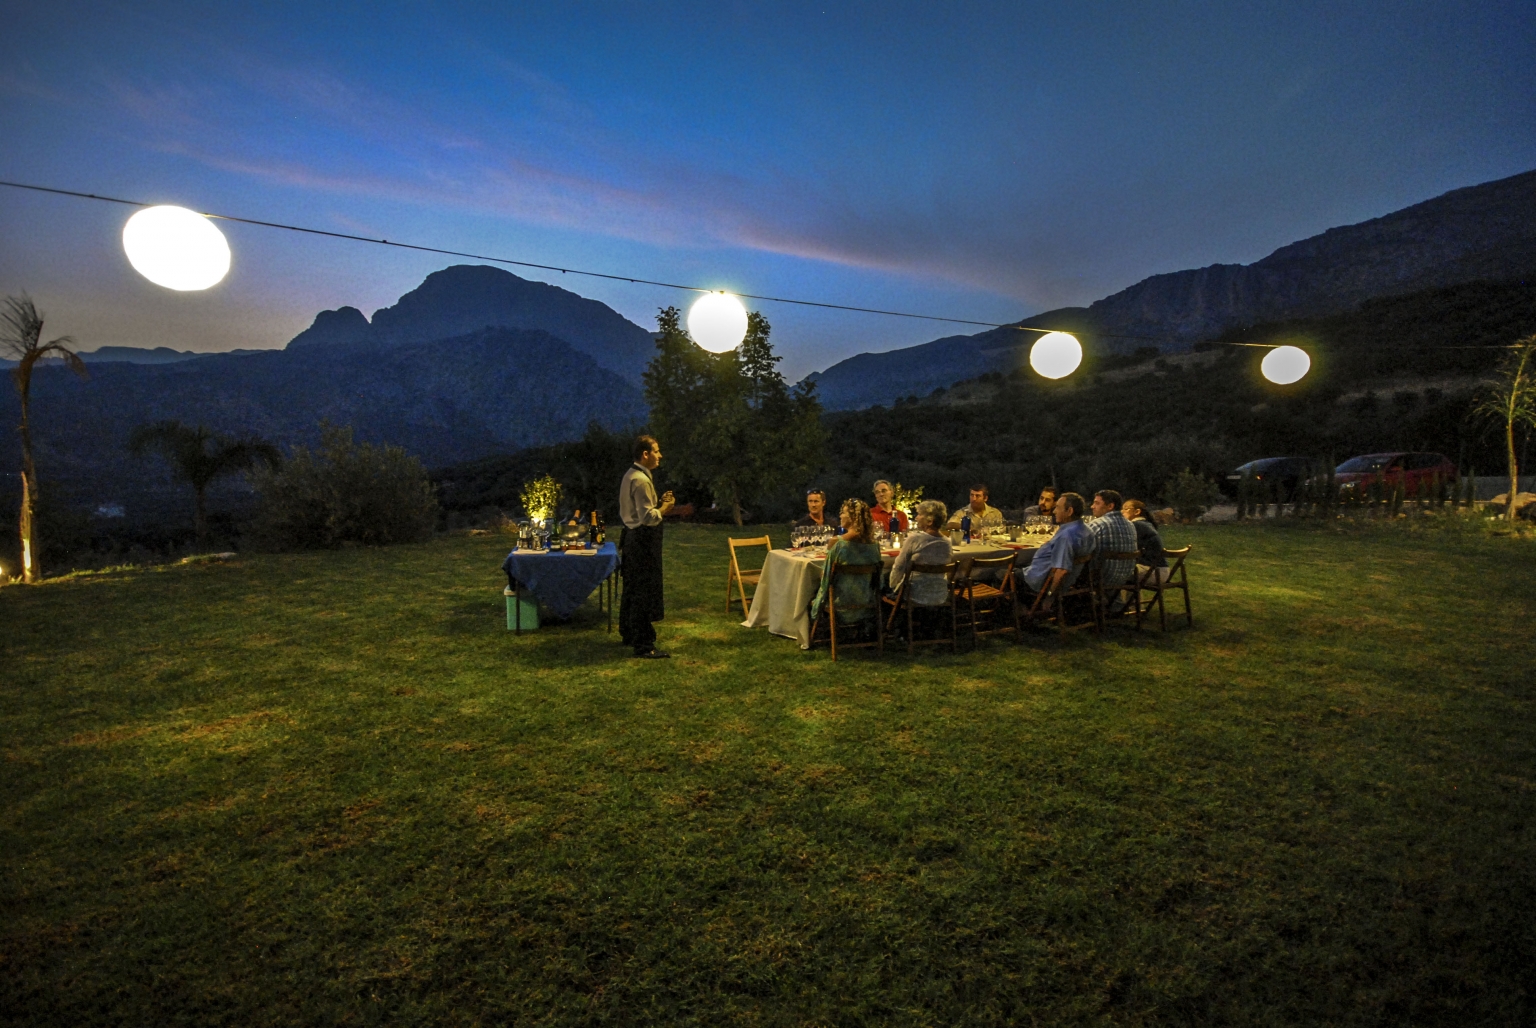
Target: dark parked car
<point x="1418" y="472"/>
<point x="1285" y="472"/>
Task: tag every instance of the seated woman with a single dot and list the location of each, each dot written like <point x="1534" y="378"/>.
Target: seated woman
<point x="855" y="546"/>
<point x="927" y="545"/>
<point x="1149" y="545"/>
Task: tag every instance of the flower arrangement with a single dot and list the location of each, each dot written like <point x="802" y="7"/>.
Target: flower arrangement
<point x="906" y="499"/>
<point x="540" y="498"/>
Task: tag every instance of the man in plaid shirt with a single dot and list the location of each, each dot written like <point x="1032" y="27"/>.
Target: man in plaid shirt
<point x="1111" y="533"/>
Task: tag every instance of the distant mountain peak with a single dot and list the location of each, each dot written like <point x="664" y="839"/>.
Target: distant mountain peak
<point x="340" y="327"/>
<point x="469" y="297"/>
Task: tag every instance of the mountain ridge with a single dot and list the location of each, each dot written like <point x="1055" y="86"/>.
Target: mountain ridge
<point x="1479" y="232"/>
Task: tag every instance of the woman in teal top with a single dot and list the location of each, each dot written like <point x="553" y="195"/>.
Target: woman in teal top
<point x="855" y="546"/>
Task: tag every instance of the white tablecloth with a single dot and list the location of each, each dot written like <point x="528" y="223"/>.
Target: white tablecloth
<point x="790" y="580"/>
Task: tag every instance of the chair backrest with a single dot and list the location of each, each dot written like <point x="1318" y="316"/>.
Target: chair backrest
<point x="765" y="541"/>
<point x="992" y="563"/>
<point x="1176" y="561"/>
<point x="855" y="571"/>
<point x="947" y="570"/>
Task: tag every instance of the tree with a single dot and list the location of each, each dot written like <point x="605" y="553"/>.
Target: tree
<point x="198" y="456"/>
<point x="21" y="333"/>
<point x="730" y="420"/>
<point x="343" y="492"/>
<point x="1511" y="398"/>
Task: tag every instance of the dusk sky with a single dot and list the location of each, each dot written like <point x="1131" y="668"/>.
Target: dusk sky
<point x="973" y="160"/>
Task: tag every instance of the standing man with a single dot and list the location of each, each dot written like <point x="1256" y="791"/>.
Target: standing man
<point x="640" y="546"/>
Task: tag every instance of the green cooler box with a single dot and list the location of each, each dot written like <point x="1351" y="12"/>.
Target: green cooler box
<point x="529" y="615"/>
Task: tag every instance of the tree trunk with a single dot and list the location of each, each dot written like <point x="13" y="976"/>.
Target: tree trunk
<point x="736" y="504"/>
<point x="200" y="518"/>
<point x="31" y="571"/>
<point x="1514" y="467"/>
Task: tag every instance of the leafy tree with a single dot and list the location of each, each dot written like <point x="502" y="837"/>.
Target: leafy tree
<point x="198" y="456"/>
<point x="678" y="390"/>
<point x="730" y="420"/>
<point x="1511" y="398"/>
<point x="343" y="492"/>
<point x="21" y="333"/>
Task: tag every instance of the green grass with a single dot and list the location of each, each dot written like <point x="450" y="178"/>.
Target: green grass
<point x="331" y="787"/>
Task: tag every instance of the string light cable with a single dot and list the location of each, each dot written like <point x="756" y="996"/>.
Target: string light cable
<point x="634" y="280"/>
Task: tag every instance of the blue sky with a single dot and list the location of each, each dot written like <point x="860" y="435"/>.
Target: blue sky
<point x="982" y="161"/>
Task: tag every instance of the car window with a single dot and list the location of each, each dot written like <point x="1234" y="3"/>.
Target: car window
<point x="1420" y="461"/>
<point x="1370" y="462"/>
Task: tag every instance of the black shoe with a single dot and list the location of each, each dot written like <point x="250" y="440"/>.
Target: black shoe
<point x="652" y="654"/>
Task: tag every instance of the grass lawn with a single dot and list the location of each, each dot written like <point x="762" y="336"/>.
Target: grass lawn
<point x="331" y="787"/>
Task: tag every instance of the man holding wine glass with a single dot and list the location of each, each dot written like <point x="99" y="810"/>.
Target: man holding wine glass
<point x="640" y="546"/>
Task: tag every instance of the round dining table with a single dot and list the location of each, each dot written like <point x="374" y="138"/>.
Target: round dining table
<point x="792" y="577"/>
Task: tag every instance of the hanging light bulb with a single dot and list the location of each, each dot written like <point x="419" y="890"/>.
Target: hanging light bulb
<point x="176" y="248"/>
<point x="1056" y="355"/>
<point x="717" y="322"/>
<point x="1285" y="364"/>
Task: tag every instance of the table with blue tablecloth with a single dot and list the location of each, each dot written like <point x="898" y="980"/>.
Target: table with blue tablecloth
<point x="562" y="581"/>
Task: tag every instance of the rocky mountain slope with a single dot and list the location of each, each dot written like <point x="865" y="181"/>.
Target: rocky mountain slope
<point x="1484" y="232"/>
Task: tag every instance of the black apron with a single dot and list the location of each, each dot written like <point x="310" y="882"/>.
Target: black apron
<point x="641" y="550"/>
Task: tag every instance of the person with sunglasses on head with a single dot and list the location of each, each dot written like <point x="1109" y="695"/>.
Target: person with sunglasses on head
<point x="816" y="510"/>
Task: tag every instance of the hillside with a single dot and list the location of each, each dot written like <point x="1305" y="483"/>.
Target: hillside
<point x="1481" y="233"/>
<point x="457" y="399"/>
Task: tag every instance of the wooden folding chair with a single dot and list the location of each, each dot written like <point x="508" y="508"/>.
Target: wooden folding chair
<point x="903" y="601"/>
<point x="741" y="579"/>
<point x="1050" y="606"/>
<point x="1104" y="598"/>
<point x="992" y="597"/>
<point x="829" y="612"/>
<point x="1178" y="579"/>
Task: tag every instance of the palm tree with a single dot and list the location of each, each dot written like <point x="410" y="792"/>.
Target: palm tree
<point x="1511" y="398"/>
<point x="198" y="456"/>
<point x="21" y="333"/>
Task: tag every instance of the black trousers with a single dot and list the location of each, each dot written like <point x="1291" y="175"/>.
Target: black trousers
<point x="641" y="602"/>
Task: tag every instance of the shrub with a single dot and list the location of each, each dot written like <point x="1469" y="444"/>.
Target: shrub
<point x="343" y="492"/>
<point x="1189" y="494"/>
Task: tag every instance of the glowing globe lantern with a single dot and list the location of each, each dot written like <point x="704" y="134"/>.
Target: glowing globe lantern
<point x="1056" y="355"/>
<point x="176" y="248"/>
<point x="717" y="322"/>
<point x="1285" y="364"/>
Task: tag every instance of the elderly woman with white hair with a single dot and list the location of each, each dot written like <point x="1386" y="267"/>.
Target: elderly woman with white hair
<point x="927" y="545"/>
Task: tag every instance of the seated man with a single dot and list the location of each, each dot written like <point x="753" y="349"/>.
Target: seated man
<point x="1111" y="534"/>
<point x="816" y="508"/>
<point x="1047" y="505"/>
<point x="983" y="515"/>
<point x="1055" y="560"/>
<point x="883" y="513"/>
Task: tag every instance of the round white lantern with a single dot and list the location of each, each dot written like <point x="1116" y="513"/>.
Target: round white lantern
<point x="176" y="248"/>
<point x="717" y="322"/>
<point x="1285" y="364"/>
<point x="1056" y="355"/>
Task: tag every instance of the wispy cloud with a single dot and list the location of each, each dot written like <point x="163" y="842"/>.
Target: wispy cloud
<point x="551" y="165"/>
